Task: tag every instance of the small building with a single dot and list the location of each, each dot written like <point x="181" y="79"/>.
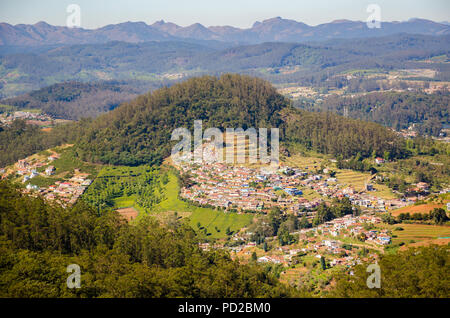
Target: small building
<point x="32" y="187"/>
<point x="50" y="170"/>
<point x="423" y="186"/>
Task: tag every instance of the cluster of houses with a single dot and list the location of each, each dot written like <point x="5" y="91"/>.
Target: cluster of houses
<point x="65" y="192"/>
<point x="31" y="118"/>
<point x="322" y="241"/>
<point x="351" y="226"/>
<point x="240" y="187"/>
<point x="258" y="189"/>
<point x="29" y="168"/>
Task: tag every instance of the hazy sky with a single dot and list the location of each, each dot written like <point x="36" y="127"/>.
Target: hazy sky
<point x="239" y="13"/>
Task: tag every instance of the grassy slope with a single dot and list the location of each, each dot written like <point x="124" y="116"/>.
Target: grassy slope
<point x="208" y="218"/>
<point x="418" y="232"/>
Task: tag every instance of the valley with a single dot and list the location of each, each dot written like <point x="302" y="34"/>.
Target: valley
<point x="92" y="122"/>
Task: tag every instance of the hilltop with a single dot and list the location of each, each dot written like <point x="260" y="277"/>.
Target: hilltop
<point x="139" y="131"/>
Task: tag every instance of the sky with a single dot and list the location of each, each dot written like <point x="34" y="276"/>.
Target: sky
<point x="238" y="13"/>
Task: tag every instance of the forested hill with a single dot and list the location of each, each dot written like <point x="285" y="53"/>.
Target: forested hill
<point x="340" y="136"/>
<point x="139" y="131"/>
<point x="75" y="100"/>
<point x="394" y="109"/>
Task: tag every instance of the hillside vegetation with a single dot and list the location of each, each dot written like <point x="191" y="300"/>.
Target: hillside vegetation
<point x="75" y="100"/>
<point x="139" y="132"/>
<point x="38" y="241"/>
<point x="396" y="110"/>
<point x="310" y="64"/>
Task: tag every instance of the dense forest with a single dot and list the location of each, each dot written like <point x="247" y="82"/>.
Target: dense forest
<point x="340" y="136"/>
<point x="139" y="131"/>
<point x="38" y="241"/>
<point x="428" y="112"/>
<point x="75" y="100"/>
<point x="20" y="140"/>
<point x="416" y="272"/>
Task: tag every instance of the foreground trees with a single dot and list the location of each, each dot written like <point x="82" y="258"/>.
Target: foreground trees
<point x="38" y="241"/>
<point x="416" y="272"/>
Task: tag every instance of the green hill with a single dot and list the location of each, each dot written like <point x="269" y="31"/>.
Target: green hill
<point x="138" y="132"/>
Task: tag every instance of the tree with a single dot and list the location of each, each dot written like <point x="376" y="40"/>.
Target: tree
<point x="388" y="218"/>
<point x="304" y="224"/>
<point x="439" y="216"/>
<point x="323" y="263"/>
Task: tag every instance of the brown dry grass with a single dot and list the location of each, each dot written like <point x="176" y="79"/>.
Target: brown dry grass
<point x="128" y="213"/>
<point x="423" y="208"/>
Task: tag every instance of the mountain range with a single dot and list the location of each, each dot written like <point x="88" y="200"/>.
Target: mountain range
<point x="270" y="30"/>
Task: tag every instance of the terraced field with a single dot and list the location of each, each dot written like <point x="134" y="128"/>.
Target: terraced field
<point x="355" y="179"/>
<point x="419" y="233"/>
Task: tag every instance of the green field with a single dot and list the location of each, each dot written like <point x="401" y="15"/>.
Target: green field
<point x="68" y="162"/>
<point x="208" y="218"/>
<point x="215" y="222"/>
<point x="418" y="232"/>
<point x="41" y="181"/>
<point x="345" y="177"/>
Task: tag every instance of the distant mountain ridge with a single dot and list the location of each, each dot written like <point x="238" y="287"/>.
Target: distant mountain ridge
<point x="270" y="30"/>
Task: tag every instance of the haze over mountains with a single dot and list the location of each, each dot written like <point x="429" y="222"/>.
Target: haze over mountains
<point x="271" y="30"/>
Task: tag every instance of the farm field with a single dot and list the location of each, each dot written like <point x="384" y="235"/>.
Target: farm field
<point x="128" y="202"/>
<point x="418" y="233"/>
<point x="304" y="162"/>
<point x="66" y="166"/>
<point x="128" y="213"/>
<point x="213" y="223"/>
<point x="422" y="208"/>
<point x="355" y="179"/>
<point x="68" y="162"/>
